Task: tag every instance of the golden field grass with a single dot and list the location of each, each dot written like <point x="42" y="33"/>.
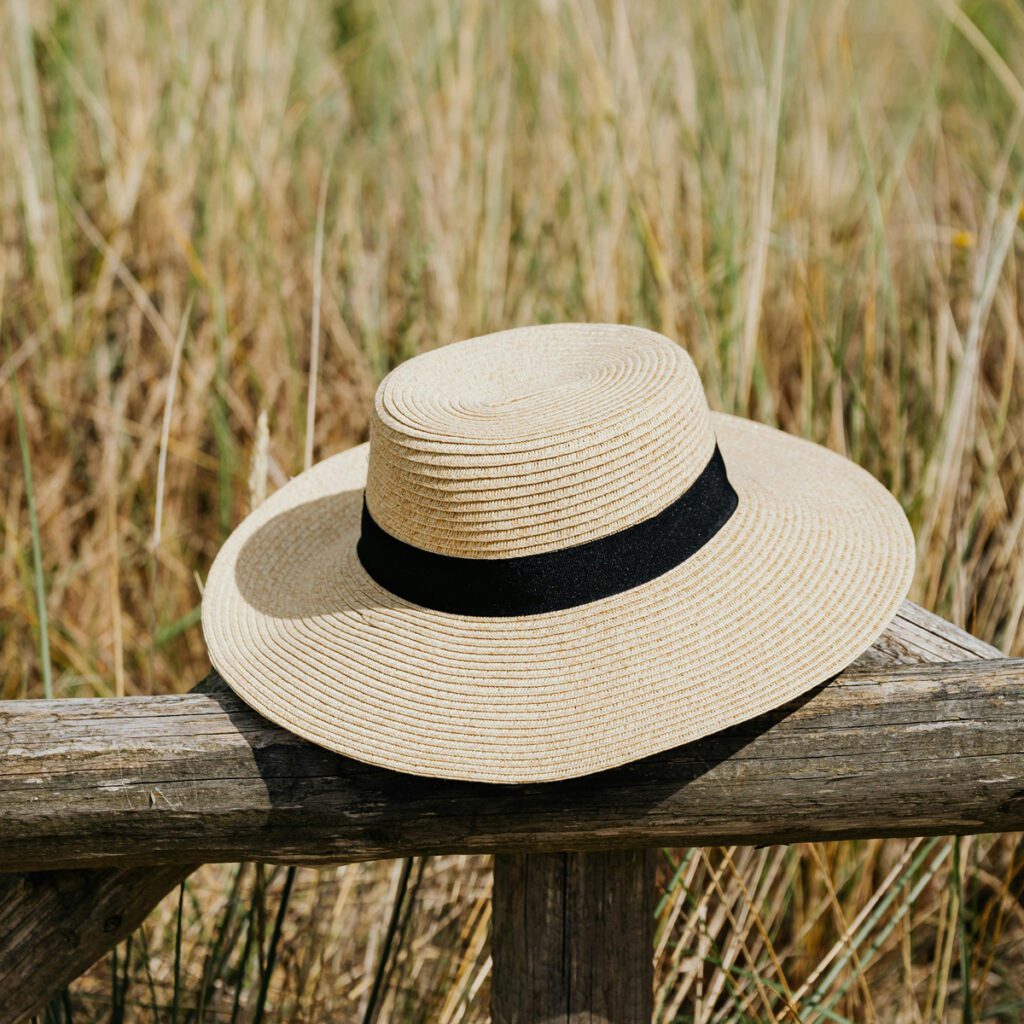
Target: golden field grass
<point x="221" y="224"/>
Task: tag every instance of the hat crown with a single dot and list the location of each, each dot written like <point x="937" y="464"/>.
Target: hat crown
<point x="535" y="439"/>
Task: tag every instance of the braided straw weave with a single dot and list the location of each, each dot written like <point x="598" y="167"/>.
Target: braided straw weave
<point x="519" y="443"/>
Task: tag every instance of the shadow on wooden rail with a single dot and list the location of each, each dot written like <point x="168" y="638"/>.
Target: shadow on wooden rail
<point x="106" y="805"/>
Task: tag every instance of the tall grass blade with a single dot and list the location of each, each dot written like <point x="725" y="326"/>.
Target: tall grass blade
<point x="243" y="963"/>
<point x="215" y="957"/>
<point x="219" y="418"/>
<point x="867" y="957"/>
<point x="275" y="938"/>
<point x="176" y="1002"/>
<point x="965" y="949"/>
<point x="389" y="937"/>
<point x="314" y="331"/>
<point x="37" y="556"/>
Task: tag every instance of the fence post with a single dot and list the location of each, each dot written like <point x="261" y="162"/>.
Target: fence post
<point x="572" y="937"/>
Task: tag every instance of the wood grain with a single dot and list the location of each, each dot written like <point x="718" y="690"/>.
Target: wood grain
<point x="902" y="743"/>
<point x="572" y="938"/>
<point x="55" y="924"/>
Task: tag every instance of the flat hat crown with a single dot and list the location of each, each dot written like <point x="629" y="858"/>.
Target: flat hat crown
<point x="535" y="439"/>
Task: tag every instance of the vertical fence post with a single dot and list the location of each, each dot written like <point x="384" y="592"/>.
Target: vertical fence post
<point x="572" y="938"/>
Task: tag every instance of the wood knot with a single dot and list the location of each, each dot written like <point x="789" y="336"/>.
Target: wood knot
<point x="1012" y="804"/>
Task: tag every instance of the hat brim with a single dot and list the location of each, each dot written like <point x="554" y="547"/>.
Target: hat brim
<point x="805" y="575"/>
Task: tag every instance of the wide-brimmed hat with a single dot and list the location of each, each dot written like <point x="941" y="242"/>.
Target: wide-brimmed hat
<point x="549" y="560"/>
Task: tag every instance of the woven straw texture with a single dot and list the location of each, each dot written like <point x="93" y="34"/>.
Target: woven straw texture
<point x="519" y="443"/>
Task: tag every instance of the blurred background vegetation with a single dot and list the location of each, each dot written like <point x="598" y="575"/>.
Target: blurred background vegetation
<point x="220" y="223"/>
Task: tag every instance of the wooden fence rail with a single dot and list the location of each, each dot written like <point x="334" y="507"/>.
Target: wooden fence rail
<point x="105" y="805"/>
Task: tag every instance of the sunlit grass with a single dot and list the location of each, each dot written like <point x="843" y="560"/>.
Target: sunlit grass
<point x="204" y="204"/>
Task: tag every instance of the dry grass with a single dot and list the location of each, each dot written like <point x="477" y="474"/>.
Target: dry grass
<point x="201" y="202"/>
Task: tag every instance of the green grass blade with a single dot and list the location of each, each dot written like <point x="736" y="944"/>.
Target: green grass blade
<point x="275" y="938"/>
<point x="389" y="938"/>
<point x="965" y="951"/>
<point x="177" y="957"/>
<point x="867" y="957"/>
<point x="215" y="957"/>
<point x="243" y="962"/>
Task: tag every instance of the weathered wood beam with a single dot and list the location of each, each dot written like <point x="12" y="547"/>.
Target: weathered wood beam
<point x="886" y="749"/>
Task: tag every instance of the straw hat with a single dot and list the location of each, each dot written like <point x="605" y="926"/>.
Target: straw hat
<point x="564" y="562"/>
